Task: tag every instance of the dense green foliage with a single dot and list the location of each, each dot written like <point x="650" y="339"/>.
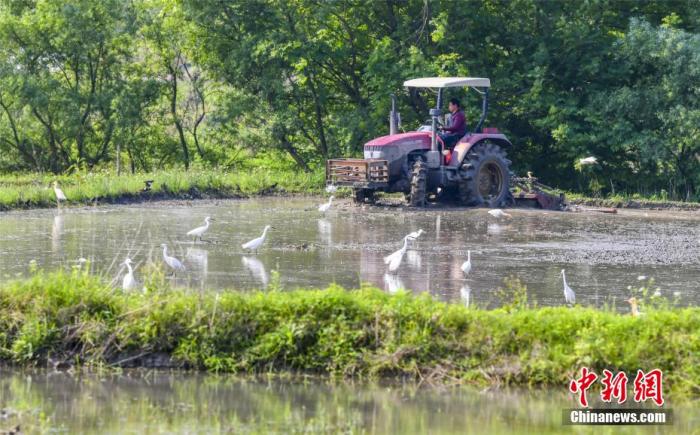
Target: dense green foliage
<point x="75" y="318"/>
<point x="151" y="83"/>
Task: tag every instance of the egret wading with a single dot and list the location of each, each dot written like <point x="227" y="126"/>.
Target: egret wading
<point x="198" y="232"/>
<point x="172" y="262"/>
<point x="414" y="235"/>
<point x="569" y="294"/>
<point x="467" y="265"/>
<point x="394" y="259"/>
<point x="255" y="244"/>
<point x="499" y="214"/>
<point x="326" y="205"/>
<point x="129" y="282"/>
<point x="60" y="196"/>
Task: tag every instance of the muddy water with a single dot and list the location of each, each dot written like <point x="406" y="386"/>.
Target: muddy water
<point x="603" y="254"/>
<point x="157" y="402"/>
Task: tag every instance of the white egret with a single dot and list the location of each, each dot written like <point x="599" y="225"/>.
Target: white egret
<point x="129" y="282"/>
<point x="414" y="235"/>
<point x="498" y="213"/>
<point x="465" y="293"/>
<point x="326" y="205"/>
<point x="172" y="262"/>
<point x="467" y="265"/>
<point x="394" y="259"/>
<point x="254" y="244"/>
<point x="199" y="231"/>
<point x="588" y="161"/>
<point x="60" y="196"/>
<point x="331" y="188"/>
<point x="569" y="294"/>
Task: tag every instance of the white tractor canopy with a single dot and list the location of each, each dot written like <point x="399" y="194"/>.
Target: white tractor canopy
<point x="447" y="82"/>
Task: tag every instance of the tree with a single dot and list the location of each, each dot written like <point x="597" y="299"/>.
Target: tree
<point x="64" y="58"/>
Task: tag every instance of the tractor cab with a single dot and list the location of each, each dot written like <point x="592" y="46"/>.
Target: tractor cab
<point x="438" y="85"/>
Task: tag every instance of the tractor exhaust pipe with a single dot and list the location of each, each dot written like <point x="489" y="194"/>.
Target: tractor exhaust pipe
<point x="394" y="117"/>
<point x="434" y="114"/>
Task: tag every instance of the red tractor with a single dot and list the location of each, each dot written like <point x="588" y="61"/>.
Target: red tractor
<point x="476" y="171"/>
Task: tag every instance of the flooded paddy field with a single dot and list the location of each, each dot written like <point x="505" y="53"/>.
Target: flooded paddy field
<point x="603" y="254"/>
<point x="141" y="402"/>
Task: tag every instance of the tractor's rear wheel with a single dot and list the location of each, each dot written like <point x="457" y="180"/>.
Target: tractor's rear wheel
<point x="485" y="177"/>
<point x="419" y="176"/>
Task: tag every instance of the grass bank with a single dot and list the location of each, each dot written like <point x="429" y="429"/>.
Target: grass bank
<point x="77" y="319"/>
<point x="23" y="191"/>
<point x="632" y="201"/>
<point x="35" y="190"/>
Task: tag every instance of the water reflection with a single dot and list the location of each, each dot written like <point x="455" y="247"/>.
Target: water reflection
<point x="465" y="293"/>
<point x="494" y="229"/>
<point x="392" y="283"/>
<point x="56" y="231"/>
<point x="256" y="269"/>
<point x="163" y="402"/>
<point x="325" y="233"/>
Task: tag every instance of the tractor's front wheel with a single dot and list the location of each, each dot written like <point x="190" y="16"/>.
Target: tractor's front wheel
<point x="485" y="177"/>
<point x="419" y="177"/>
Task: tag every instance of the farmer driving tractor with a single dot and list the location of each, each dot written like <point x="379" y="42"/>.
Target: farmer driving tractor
<point x="457" y="126"/>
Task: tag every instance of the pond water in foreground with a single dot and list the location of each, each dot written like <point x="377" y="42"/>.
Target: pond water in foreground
<point x="141" y="402"/>
<point x="603" y="254"/>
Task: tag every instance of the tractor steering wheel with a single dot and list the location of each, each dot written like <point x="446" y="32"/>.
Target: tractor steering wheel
<point x="429" y="121"/>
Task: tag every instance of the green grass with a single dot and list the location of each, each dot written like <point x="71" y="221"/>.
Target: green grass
<point x="35" y="190"/>
<point x="362" y="333"/>
<point x="631" y="201"/>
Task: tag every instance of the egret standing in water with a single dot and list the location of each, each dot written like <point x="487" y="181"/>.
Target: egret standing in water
<point x="172" y="262"/>
<point x="60" y="196"/>
<point x="467" y="265"/>
<point x="326" y="205"/>
<point x="498" y="213"/>
<point x="414" y="235"/>
<point x="254" y="244"/>
<point x="199" y="231"/>
<point x="569" y="294"/>
<point x="129" y="282"/>
<point x="394" y="259"/>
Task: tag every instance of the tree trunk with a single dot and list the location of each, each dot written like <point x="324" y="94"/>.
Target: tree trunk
<point x="176" y="119"/>
<point x="293" y="152"/>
